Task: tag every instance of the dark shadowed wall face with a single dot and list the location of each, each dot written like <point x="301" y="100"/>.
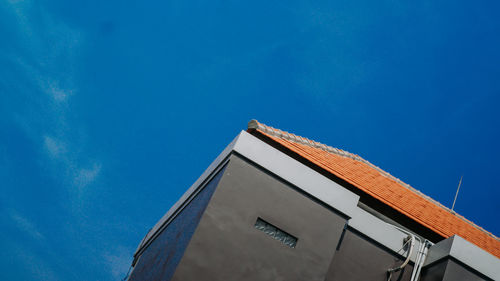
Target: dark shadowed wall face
<point x="359" y="258"/>
<point x="450" y="270"/>
<point x="455" y="271"/>
<point x="161" y="257"/>
<point x="434" y="272"/>
<point x="227" y="246"/>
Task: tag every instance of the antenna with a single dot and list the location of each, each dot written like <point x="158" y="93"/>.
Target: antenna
<point x="456" y="194"/>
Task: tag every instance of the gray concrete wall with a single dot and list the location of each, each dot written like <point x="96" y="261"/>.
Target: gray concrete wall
<point x="226" y="246"/>
<point x="468" y="254"/>
<point x="434" y="272"/>
<point x="447" y="269"/>
<point x="160" y="259"/>
<point x="455" y="271"/>
<point x="359" y="258"/>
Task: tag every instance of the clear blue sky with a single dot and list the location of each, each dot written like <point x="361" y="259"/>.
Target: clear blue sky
<point x="110" y="110"/>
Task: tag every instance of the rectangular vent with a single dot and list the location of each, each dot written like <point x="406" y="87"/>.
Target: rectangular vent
<point x="276" y="233"/>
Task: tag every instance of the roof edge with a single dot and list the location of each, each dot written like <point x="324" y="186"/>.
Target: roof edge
<point x="256" y="125"/>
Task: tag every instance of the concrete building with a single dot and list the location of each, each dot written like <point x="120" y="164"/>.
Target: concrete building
<point x="276" y="206"/>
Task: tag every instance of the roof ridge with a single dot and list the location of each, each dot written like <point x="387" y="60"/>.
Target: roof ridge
<point x="256" y="125"/>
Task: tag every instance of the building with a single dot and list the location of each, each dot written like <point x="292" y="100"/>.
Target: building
<point x="276" y="206"/>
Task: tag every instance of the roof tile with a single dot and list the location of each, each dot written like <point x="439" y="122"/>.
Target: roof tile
<point x="384" y="187"/>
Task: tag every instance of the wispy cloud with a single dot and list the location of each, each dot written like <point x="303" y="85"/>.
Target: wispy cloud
<point x="55" y="148"/>
<point x="25" y="225"/>
<point x="84" y="177"/>
<point x="58" y="94"/>
<point x="46" y="58"/>
<point x="78" y="174"/>
<point x="43" y="61"/>
<point x="37" y="267"/>
<point x="40" y="89"/>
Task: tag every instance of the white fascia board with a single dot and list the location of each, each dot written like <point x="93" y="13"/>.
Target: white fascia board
<point x="468" y="253"/>
<point x="322" y="189"/>
<point x="302" y="177"/>
<point x="296" y="173"/>
<point x="382" y="232"/>
<point x="276" y="162"/>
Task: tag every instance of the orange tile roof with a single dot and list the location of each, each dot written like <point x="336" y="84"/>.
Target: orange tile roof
<point x="384" y="187"/>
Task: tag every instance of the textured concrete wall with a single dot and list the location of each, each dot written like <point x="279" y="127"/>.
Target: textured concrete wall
<point x="359" y="258"/>
<point x="160" y="259"/>
<point x="214" y="238"/>
<point x="226" y="246"/>
<point x="449" y="270"/>
<point x="455" y="271"/>
<point x="434" y="272"/>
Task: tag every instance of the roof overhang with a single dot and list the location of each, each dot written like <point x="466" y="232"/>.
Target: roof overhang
<point x="274" y="161"/>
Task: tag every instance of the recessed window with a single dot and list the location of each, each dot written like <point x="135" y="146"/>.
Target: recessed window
<point x="276" y="233"/>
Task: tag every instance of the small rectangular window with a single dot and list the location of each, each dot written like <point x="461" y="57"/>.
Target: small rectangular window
<point x="276" y="233"/>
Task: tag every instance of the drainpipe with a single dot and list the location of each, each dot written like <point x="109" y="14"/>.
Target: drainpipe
<point x="417" y="260"/>
<point x="421" y="255"/>
<point x="427" y="244"/>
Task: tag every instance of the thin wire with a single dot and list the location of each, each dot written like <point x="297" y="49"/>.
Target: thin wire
<point x="390" y="273"/>
<point x="403" y="245"/>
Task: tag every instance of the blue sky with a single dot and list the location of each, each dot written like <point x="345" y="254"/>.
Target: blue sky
<point x="110" y="110"/>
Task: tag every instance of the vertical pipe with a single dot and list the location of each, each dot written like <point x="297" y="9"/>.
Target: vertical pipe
<point x="417" y="261"/>
<point x="424" y="255"/>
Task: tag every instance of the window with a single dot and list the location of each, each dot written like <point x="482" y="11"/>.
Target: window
<point x="276" y="233"/>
